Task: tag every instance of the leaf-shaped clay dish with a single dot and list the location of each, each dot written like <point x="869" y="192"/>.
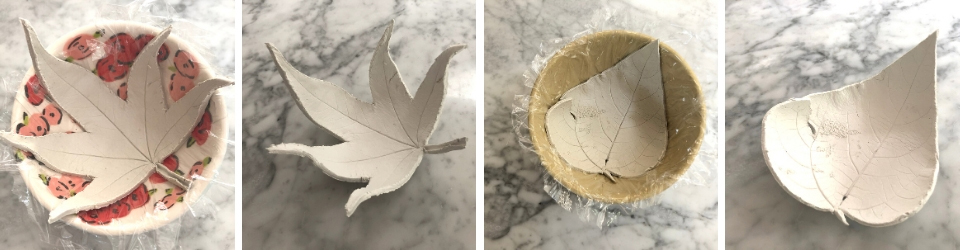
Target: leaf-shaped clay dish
<point x="590" y="55"/>
<point x="123" y="141"/>
<point x="867" y="151"/>
<point x="384" y="141"/>
<point x="614" y="122"/>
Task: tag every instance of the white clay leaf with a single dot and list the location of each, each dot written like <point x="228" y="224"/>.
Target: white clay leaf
<point x="123" y="141"/>
<point x="873" y="153"/>
<point x="614" y="123"/>
<point x="384" y="141"/>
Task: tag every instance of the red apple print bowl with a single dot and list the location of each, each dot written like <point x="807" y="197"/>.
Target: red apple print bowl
<point x="108" y="51"/>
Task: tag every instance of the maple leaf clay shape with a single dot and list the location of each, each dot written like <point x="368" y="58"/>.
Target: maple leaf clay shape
<point x="384" y="141"/>
<point x="124" y="141"/>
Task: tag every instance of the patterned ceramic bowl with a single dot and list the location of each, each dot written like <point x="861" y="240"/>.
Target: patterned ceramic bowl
<point x="107" y="50"/>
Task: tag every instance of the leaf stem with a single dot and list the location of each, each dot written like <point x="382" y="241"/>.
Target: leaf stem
<point x="174" y="178"/>
<point x="610" y="176"/>
<point x="458" y="144"/>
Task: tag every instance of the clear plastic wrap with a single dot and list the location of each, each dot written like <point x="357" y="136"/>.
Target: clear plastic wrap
<point x="565" y="62"/>
<point x="152" y="223"/>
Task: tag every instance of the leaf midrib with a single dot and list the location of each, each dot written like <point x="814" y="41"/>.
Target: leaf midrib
<point x="104" y="114"/>
<point x="885" y="137"/>
<point x="625" y="114"/>
<point x="350" y="117"/>
<point x="393" y="106"/>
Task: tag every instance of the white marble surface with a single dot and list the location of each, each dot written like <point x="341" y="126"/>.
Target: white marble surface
<point x="288" y="203"/>
<point x="517" y="211"/>
<point x="213" y="227"/>
<point x="788" y="49"/>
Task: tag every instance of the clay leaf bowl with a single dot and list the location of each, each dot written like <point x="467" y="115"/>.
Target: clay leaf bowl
<point x="867" y="151"/>
<point x="590" y="55"/>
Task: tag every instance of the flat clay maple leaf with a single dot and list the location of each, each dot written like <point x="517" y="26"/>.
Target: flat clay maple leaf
<point x="123" y="141"/>
<point x="384" y="141"/>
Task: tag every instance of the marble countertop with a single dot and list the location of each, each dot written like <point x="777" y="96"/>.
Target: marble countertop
<point x="288" y="202"/>
<point x="213" y="228"/>
<point x="517" y="211"/>
<point x="777" y="50"/>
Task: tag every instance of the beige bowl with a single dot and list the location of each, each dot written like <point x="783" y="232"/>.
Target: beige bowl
<point x="685" y="111"/>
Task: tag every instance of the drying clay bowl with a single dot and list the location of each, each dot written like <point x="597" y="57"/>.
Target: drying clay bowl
<point x="144" y="218"/>
<point x="685" y="111"/>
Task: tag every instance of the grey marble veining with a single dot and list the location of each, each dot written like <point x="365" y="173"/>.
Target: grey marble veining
<point x="212" y="24"/>
<point x="288" y="202"/>
<point x="777" y="50"/>
<point x="517" y="211"/>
